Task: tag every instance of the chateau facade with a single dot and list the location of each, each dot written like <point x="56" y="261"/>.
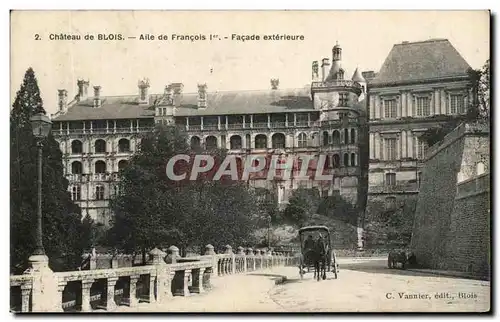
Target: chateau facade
<point x="420" y="86"/>
<point x="98" y="134"/>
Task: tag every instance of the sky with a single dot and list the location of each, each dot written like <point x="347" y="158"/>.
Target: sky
<point x="366" y="38"/>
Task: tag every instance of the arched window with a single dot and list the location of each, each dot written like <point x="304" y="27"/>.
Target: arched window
<point x="278" y="141"/>
<point x="211" y="142"/>
<point x="260" y="141"/>
<point x="124" y="145"/>
<point x="341" y="74"/>
<point x="99" y="192"/>
<point x="76" y="167"/>
<point x="76" y="193"/>
<point x="353" y="159"/>
<point x="353" y="136"/>
<point x="195" y="142"/>
<point x="122" y="164"/>
<point x="336" y="137"/>
<point x="100" y="167"/>
<point x="235" y="142"/>
<point x="346" y="159"/>
<point x="346" y="136"/>
<point x="336" y="161"/>
<point x="76" y="147"/>
<point x="302" y="142"/>
<point x="100" y="146"/>
<point x="325" y="138"/>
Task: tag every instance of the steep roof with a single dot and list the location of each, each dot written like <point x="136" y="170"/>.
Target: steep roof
<point x="416" y="61"/>
<point x="218" y="103"/>
<point x="357" y="77"/>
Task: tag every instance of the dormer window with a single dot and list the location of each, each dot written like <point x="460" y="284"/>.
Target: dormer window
<point x="340" y="74"/>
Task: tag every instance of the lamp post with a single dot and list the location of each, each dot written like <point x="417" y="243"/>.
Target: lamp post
<point x="40" y="125"/>
<point x="269" y="231"/>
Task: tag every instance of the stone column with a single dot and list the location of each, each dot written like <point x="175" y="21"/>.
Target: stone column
<point x="409" y="106"/>
<point x="372" y="145"/>
<point x="197" y="276"/>
<point x="133" y="301"/>
<point x="404" y="153"/>
<point x="163" y="278"/>
<point x="232" y="260"/>
<point x="209" y="251"/>
<point x="152" y="283"/>
<point x="444" y="109"/>
<point x="410" y="144"/>
<point x="185" y="283"/>
<point x="110" y="299"/>
<point x="25" y="297"/>
<point x="437" y="102"/>
<point x="86" y="285"/>
<point x="372" y="107"/>
<point x="398" y="147"/>
<point x="241" y="252"/>
<point x="174" y="254"/>
<point x="398" y="107"/>
<point x="377" y="106"/>
<point x="404" y="111"/>
<point x="377" y="146"/>
<point x="44" y="288"/>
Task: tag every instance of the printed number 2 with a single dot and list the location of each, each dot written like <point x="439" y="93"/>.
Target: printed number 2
<point x="37" y="37"/>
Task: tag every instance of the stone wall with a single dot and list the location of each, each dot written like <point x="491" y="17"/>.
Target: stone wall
<point x="446" y="220"/>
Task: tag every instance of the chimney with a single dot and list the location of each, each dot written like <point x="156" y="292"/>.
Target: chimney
<point x="83" y="88"/>
<point x="325" y="68"/>
<point x="177" y="89"/>
<point x="315" y="71"/>
<point x="97" y="96"/>
<point x="275" y="82"/>
<point x="168" y="95"/>
<point x="62" y="100"/>
<point x="143" y="91"/>
<point x="202" y="95"/>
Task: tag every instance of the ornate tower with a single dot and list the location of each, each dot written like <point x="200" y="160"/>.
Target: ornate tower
<point x="338" y="100"/>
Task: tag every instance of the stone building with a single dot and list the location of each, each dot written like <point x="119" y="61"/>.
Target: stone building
<point x="419" y="86"/>
<point x="98" y="133"/>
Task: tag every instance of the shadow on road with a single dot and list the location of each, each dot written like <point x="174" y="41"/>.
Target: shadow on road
<point x="380" y="267"/>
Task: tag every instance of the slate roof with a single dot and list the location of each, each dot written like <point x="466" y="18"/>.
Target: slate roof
<point x="218" y="103"/>
<point x="423" y="60"/>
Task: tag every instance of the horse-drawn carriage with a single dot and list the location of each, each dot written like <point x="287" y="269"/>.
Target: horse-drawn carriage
<point x="317" y="252"/>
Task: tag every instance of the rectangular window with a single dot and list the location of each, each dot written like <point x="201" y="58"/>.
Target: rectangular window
<point x="456" y="104"/>
<point x="390" y="149"/>
<point x="390" y="109"/>
<point x="99" y="193"/>
<point x="76" y="193"/>
<point x="390" y="179"/>
<point x="343" y="99"/>
<point x="421" y="148"/>
<point x="423" y="106"/>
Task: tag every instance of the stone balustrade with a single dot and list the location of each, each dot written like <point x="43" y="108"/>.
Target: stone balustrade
<point x="164" y="276"/>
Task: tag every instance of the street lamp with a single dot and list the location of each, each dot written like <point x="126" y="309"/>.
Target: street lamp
<point x="269" y="231"/>
<point x="40" y="125"/>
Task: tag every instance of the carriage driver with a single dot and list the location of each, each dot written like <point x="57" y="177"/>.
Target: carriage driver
<point x="309" y="243"/>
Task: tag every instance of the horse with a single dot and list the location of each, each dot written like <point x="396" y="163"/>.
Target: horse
<point x="320" y="258"/>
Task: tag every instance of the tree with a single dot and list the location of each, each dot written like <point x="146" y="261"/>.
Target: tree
<point x="336" y="207"/>
<point x="61" y="217"/>
<point x="154" y="211"/>
<point x="302" y="205"/>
